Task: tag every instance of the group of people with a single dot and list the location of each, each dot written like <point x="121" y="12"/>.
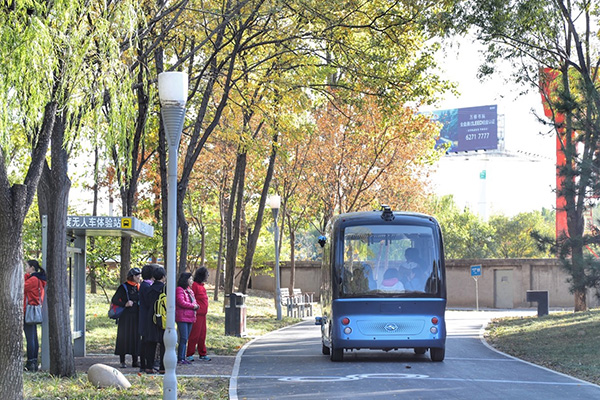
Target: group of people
<point x="412" y="276"/>
<point x="137" y="333"/>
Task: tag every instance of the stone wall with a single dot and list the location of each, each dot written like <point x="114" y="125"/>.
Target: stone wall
<point x="502" y="284"/>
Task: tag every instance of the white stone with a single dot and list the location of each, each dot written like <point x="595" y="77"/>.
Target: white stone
<point x="102" y="375"/>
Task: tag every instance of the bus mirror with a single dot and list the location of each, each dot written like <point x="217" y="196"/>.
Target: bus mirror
<point x="322" y="240"/>
<point x="318" y="320"/>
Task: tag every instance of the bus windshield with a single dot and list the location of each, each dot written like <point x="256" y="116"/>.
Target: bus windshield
<point x="389" y="260"/>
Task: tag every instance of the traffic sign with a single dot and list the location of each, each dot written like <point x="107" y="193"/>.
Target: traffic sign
<point x="476" y="273"/>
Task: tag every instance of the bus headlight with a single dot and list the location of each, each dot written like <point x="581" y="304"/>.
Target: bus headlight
<point x="347" y="330"/>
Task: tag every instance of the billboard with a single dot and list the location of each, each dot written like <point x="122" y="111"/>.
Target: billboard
<point x="468" y="129"/>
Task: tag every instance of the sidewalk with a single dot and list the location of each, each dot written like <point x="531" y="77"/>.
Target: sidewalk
<point x="219" y="366"/>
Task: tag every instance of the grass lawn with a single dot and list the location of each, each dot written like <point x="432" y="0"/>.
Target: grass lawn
<point x="566" y="342"/>
<point x="101" y="334"/>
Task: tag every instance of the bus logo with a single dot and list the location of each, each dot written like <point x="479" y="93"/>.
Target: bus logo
<point x="391" y="327"/>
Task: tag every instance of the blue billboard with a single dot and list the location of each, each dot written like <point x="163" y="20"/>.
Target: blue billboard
<point x="468" y="129"/>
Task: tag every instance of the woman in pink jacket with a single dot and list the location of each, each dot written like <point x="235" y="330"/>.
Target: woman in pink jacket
<point x="198" y="334"/>
<point x="185" y="313"/>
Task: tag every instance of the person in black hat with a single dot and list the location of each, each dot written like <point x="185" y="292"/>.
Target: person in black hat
<point x="128" y="338"/>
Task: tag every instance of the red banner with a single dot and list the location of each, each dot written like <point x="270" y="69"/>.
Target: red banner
<point x="548" y="84"/>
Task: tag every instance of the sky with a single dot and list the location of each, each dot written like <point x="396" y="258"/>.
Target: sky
<point x="511" y="184"/>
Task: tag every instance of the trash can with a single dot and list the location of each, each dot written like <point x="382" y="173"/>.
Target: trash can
<point x="235" y="315"/>
<point x="541" y="297"/>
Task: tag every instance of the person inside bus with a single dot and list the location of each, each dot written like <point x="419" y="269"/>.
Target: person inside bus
<point x="391" y="281"/>
<point x="360" y="280"/>
<point x="412" y="258"/>
<point x="416" y="278"/>
<point x="368" y="272"/>
<point x="415" y="274"/>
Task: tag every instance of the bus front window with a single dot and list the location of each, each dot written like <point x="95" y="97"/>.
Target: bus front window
<point x="388" y="260"/>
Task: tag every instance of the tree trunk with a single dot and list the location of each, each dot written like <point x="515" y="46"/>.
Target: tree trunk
<point x="15" y="201"/>
<point x="253" y="236"/>
<point x="219" y="278"/>
<point x="580" y="301"/>
<point x="125" y="254"/>
<point x="234" y="221"/>
<point x="53" y="200"/>
<point x="292" y="260"/>
<point x="92" y="246"/>
<point x="11" y="296"/>
<point x="184" y="228"/>
<point x="203" y="245"/>
<point x="162" y="156"/>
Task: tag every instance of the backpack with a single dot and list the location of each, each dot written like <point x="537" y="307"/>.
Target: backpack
<point x="160" y="311"/>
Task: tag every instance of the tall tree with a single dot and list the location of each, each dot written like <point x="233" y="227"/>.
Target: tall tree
<point x="553" y="45"/>
<point x="71" y="37"/>
<point x="30" y="107"/>
<point x="211" y="47"/>
<point x="367" y="155"/>
<point x="513" y="236"/>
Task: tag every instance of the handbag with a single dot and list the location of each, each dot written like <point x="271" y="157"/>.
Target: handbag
<point x="33" y="314"/>
<point x="115" y="311"/>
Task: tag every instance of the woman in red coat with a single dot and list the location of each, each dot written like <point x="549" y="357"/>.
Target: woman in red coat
<point x="35" y="282"/>
<point x="198" y="334"/>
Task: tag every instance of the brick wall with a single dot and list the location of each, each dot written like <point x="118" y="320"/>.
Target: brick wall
<point x="502" y="284"/>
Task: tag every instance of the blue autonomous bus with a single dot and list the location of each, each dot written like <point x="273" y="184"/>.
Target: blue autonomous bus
<point x="383" y="284"/>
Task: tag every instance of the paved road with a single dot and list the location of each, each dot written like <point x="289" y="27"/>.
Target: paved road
<point x="288" y="364"/>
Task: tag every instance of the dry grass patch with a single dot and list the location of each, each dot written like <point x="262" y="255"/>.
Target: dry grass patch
<point x="566" y="342"/>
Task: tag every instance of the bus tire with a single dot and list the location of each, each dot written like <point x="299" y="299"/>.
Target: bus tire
<point x="325" y="350"/>
<point x="437" y="353"/>
<point x="336" y="354"/>
<point x="420" y="350"/>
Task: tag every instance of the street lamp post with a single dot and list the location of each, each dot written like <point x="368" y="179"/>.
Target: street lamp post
<point x="275" y="203"/>
<point x="172" y="90"/>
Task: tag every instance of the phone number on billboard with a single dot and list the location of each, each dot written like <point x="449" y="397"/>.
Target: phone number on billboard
<point x="477" y="136"/>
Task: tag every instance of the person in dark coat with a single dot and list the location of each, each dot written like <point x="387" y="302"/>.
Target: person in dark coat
<point x="153" y="334"/>
<point x="35" y="283"/>
<point x="147" y="281"/>
<point x="128" y="339"/>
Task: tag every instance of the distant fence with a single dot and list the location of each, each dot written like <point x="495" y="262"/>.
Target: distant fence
<point x="503" y="282"/>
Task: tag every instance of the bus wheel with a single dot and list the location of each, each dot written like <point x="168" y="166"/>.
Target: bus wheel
<point x="437" y="354"/>
<point x="325" y="350"/>
<point x="336" y="354"/>
<point x="420" y="350"/>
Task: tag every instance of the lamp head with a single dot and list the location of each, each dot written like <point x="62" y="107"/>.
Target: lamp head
<point x="275" y="202"/>
<point x="173" y="88"/>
